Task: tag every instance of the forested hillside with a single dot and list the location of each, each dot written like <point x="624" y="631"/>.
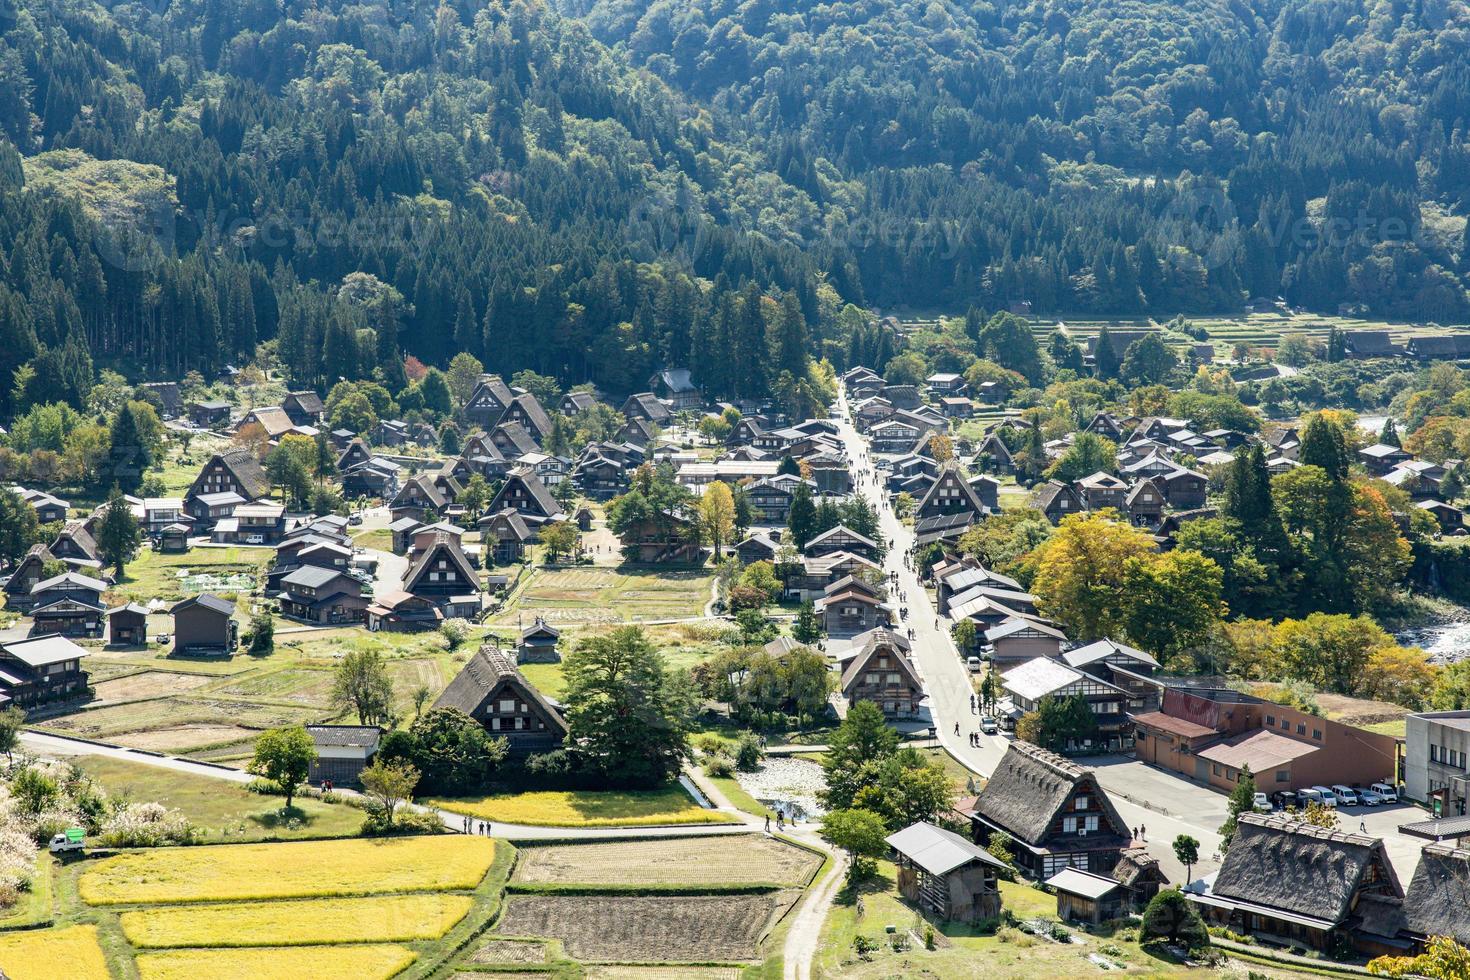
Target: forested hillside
<point x="506" y="187"/>
<point x="598" y="191"/>
<point x="1059" y="150"/>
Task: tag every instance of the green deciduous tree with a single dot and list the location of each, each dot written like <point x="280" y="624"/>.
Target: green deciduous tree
<point x="283" y="756"/>
<point x="360" y="684"/>
<point x="628" y="714"/>
<point x="861" y="834"/>
<point x="119" y="534"/>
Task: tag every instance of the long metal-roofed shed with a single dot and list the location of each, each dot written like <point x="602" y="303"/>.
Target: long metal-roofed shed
<point x="946" y="874"/>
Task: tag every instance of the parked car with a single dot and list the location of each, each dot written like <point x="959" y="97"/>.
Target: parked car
<point x="1388" y="791"/>
<point x="1284" y="798"/>
<point x="1368" y="798"/>
<point x="73" y="839"/>
<point x="1324" y="796"/>
<point x="1344" y="795"/>
<point x="988" y="725"/>
<point x="1261" y="803"/>
<point x="355" y="520"/>
<point x="1310" y="795"/>
<point x="974" y="663"/>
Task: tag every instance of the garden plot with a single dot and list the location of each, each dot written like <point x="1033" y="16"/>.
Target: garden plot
<point x="391" y="918"/>
<point x="646" y="929"/>
<point x="149" y="684"/>
<point x="751" y="859"/>
<point x="561" y="808"/>
<point x="180" y="723"/>
<point x="289" y="963"/>
<point x="241" y="872"/>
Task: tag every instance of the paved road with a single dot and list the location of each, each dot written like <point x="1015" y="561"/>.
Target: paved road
<point x="1175" y="806"/>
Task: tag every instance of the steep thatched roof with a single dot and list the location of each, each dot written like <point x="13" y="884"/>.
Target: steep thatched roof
<point x="1029" y="786"/>
<point x="1300" y="868"/>
<point x="482" y="679"/>
<point x="1438" y="901"/>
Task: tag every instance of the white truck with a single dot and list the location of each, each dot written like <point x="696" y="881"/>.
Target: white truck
<point x="72" y="839"/>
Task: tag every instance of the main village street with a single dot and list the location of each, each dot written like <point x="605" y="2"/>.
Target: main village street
<point x="1164" y="806"/>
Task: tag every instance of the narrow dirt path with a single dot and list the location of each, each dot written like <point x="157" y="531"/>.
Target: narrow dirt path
<point x="805" y="934"/>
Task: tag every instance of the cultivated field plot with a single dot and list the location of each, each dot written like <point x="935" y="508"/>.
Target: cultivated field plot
<point x="150" y="684"/>
<point x="509" y="952"/>
<point x="610" y="595"/>
<point x="559" y="808"/>
<point x="643" y="929"/>
<point x="306" y="869"/>
<point x="170" y="724"/>
<point x="291" y="963"/>
<point x="751" y="859"/>
<point x="154" y="575"/>
<point x="390" y="918"/>
<point x="45" y="954"/>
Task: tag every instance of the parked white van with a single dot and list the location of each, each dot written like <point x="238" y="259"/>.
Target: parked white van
<point x="1309" y="794"/>
<point x="1328" y="799"/>
<point x="1344" y="794"/>
<point x="1389" y="793"/>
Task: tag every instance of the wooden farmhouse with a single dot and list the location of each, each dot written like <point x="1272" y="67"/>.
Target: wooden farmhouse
<point x="850" y="605"/>
<point x="947" y="875"/>
<point x="41" y="670"/>
<point x="1293" y="883"/>
<point x="1055" y="811"/>
<point x="880" y="673"/>
<point x="490" y="690"/>
<point x="127" y="625"/>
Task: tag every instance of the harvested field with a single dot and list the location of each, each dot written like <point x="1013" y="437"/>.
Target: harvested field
<point x="609" y="595"/>
<point x="646" y="929"/>
<point x="150" y="684"/>
<point x="753" y="859"/>
<point x="45" y="954"/>
<point x="664" y="973"/>
<point x="183" y="737"/>
<point x="391" y="918"/>
<point x="304" y="869"/>
<point x="289" y="963"/>
<point x="509" y="951"/>
<point x="298" y="684"/>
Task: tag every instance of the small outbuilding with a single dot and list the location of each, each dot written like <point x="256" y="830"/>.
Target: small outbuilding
<point x="1083" y="896"/>
<point x="342" y="752"/>
<point x="538" y="644"/>
<point x="205" y="625"/>
<point x="946" y="875"/>
<point x="127" y="625"/>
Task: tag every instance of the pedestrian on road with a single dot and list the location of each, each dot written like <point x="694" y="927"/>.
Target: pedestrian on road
<point x="972" y="704"/>
<point x="956" y="728"/>
<point x="1362" y="826"/>
<point x="1143" y="832"/>
<point x="768" y="823"/>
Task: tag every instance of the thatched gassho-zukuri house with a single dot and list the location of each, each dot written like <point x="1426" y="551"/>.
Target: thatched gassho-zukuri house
<point x="1054" y="809"/>
<point x="1296" y="884"/>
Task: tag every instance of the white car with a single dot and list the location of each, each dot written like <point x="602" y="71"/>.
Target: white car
<point x="1386" y="791"/>
<point x="1344" y="795"/>
<point x="1369" y="798"/>
<point x="1261" y="803"/>
<point x="974" y="664"/>
<point x="1326" y="797"/>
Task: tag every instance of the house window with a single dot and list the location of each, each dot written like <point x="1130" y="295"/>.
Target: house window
<point x="1301" y="728"/>
<point x="1069" y="825"/>
<point x="1090" y="824"/>
<point x="1081" y="803"/>
<point x="1217" y="769"/>
<point x="1282" y="776"/>
<point x="1317" y="734"/>
<point x="1285" y="724"/>
<point x="1270" y="721"/>
<point x="507" y="705"/>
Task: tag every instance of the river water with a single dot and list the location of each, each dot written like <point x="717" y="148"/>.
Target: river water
<point x="786" y="783"/>
<point x="1444" y="642"/>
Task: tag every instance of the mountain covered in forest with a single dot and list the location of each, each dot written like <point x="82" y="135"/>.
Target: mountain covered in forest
<point x="596" y="190"/>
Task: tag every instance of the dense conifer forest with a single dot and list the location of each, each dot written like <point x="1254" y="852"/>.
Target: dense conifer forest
<point x="595" y="191"/>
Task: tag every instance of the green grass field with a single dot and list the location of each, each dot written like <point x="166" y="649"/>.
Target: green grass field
<point x="224" y="810"/>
